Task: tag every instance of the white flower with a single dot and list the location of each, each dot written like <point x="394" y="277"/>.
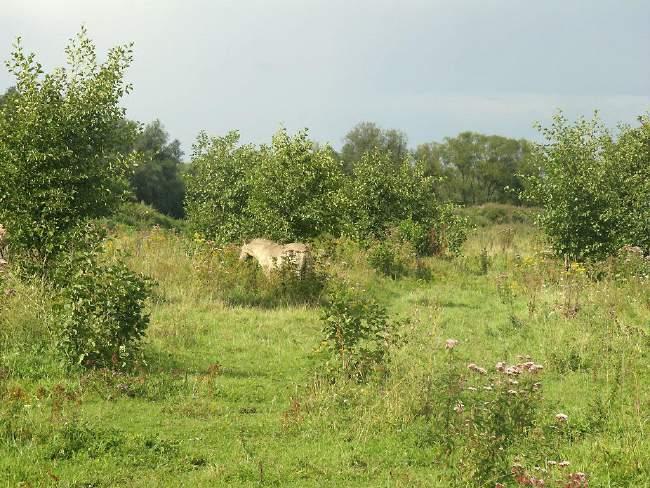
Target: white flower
<point x="451" y="343"/>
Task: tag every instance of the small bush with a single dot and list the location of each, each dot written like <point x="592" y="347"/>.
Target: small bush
<point x="101" y="313"/>
<point x="476" y="416"/>
<point x="392" y="258"/>
<point x="449" y="232"/>
<point x="357" y="332"/>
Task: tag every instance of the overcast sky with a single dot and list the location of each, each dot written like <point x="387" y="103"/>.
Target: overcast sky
<point x="430" y="68"/>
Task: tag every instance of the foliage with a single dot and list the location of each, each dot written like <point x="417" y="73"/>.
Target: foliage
<point x="57" y="171"/>
<point x="293" y="189"/>
<point x="392" y="257"/>
<point x="142" y="217"/>
<point x="594" y="187"/>
<point x="101" y="311"/>
<point x="477" y="416"/>
<point x="367" y="137"/>
<point x="476" y="168"/>
<point x="357" y="332"/>
<point x="157" y="179"/>
<point x="498" y="213"/>
<point x="380" y="194"/>
<point x="449" y="231"/>
<point x="217" y="187"/>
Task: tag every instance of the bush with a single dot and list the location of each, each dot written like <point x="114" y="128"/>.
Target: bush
<point x="101" y="312"/>
<point x="143" y="217"/>
<point x="594" y="187"/>
<point x="285" y="191"/>
<point x="357" y="332"/>
<point x="59" y="135"/>
<point x="449" y="231"/>
<point x="392" y="258"/>
<point x="476" y="416"/>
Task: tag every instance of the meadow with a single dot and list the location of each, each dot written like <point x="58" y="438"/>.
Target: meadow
<point x="236" y="393"/>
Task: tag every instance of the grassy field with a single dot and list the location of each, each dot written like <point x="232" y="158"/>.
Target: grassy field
<point x="238" y="396"/>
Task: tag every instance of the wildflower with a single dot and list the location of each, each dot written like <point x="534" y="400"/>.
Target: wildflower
<point x="561" y="417"/>
<point x="536" y="386"/>
<point x="451" y="343"/>
<point x="512" y="392"/>
<point x="471" y="388"/>
<point x="487" y="388"/>
<point x="476" y="368"/>
<point x="511" y="370"/>
<point x="577" y="480"/>
<point x="551" y="463"/>
<point x="500" y="366"/>
<point x="499" y="485"/>
<point x="563" y="464"/>
<point x="513" y="381"/>
<point x="459" y="408"/>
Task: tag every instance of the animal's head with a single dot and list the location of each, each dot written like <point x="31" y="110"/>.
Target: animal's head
<point x="245" y="253"/>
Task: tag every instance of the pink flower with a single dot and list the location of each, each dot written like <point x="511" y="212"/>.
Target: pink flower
<point x="451" y="343"/>
<point x="476" y="368"/>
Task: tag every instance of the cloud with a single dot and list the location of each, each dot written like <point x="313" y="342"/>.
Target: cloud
<point x="430" y="68"/>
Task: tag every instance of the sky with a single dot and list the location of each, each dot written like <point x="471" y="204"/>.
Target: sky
<point x="429" y="68"/>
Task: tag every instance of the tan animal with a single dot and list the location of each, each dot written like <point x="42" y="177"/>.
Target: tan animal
<point x="271" y="255"/>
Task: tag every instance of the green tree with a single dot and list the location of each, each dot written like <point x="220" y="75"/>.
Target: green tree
<point x="476" y="168"/>
<point x="157" y="180"/>
<point x="57" y="138"/>
<point x="366" y="137"/>
<point x="293" y="189"/>
<point x="5" y="97"/>
<point x="381" y="194"/>
<point x="217" y="187"/>
<point x="594" y="186"/>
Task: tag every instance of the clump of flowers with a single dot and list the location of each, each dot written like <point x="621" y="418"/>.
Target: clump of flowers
<point x="451" y="343"/>
<point x="477" y="369"/>
<point x="561" y="418"/>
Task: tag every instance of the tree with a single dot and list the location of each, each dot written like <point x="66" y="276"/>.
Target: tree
<point x="476" y="168"/>
<point x="157" y="180"/>
<point x="217" y="187"/>
<point x="380" y="194"/>
<point x="6" y="96"/>
<point x="366" y="137"/>
<point x="284" y="191"/>
<point x="293" y="189"/>
<point x="594" y="186"/>
<point x="57" y="138"/>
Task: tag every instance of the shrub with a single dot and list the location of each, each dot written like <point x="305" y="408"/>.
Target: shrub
<point x="294" y="189"/>
<point x="476" y="415"/>
<point x="217" y="189"/>
<point x="594" y="187"/>
<point x="357" y="332"/>
<point x="381" y="193"/>
<point x="285" y="191"/>
<point x="392" y="258"/>
<point x="59" y="135"/>
<point x="101" y="312"/>
<point x="449" y="231"/>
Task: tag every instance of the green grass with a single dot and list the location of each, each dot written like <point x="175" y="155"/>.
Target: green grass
<point x="236" y="396"/>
